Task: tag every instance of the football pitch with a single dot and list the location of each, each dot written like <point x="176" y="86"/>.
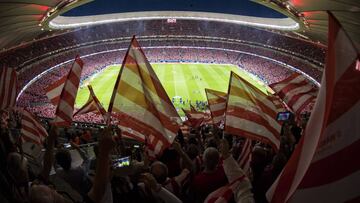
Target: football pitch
<point x="182" y="82"/>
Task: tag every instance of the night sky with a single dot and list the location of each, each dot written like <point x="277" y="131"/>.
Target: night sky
<point x="240" y="7"/>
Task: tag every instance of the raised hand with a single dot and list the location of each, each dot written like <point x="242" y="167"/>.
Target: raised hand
<point x="224" y="148"/>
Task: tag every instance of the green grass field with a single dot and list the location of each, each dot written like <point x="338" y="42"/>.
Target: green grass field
<point x="187" y="81"/>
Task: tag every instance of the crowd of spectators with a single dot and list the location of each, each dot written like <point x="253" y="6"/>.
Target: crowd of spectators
<point x="196" y="164"/>
<point x="34" y="96"/>
<point x="86" y="166"/>
<point x="21" y="55"/>
<point x="28" y="72"/>
<point x="248" y="55"/>
<point x="83" y="156"/>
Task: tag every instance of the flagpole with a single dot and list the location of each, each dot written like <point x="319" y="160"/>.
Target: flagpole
<point x="227" y="99"/>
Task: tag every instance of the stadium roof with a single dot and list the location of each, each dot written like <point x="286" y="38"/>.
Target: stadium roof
<point x="20" y="19"/>
<point x="236" y="7"/>
<point x="24" y="20"/>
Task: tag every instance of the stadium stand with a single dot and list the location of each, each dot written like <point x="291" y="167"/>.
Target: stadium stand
<point x="85" y="162"/>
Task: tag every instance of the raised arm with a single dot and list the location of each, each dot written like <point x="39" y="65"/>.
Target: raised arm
<point x="231" y="167"/>
<point x="233" y="172"/>
<point x="83" y="154"/>
<point x="186" y="159"/>
<point x="102" y="175"/>
<point x="49" y="153"/>
<point x="157" y="190"/>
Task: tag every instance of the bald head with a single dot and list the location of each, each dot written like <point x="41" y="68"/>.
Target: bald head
<point x="211" y="158"/>
<point x="160" y="171"/>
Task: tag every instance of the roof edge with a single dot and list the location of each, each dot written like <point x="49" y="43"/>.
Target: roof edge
<point x="62" y="22"/>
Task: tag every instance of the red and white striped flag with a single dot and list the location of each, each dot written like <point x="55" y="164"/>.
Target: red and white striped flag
<point x="226" y="193"/>
<point x="8" y="87"/>
<point x="250" y="113"/>
<point x="139" y="95"/>
<point x="130" y="133"/>
<point x="31" y="128"/>
<point x="217" y="105"/>
<point x="279" y="104"/>
<point x="63" y="93"/>
<point x="324" y="166"/>
<point x="194" y="118"/>
<point x="136" y="131"/>
<point x="92" y="105"/>
<point x="296" y="91"/>
<point x="245" y="156"/>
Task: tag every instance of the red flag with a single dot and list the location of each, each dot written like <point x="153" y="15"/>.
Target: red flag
<point x="279" y="104"/>
<point x="250" y="113"/>
<point x="130" y="127"/>
<point x="63" y="93"/>
<point x="225" y="193"/>
<point x="131" y="133"/>
<point x="195" y="118"/>
<point x="138" y="95"/>
<point x="297" y="92"/>
<point x="324" y="166"/>
<point x="31" y="128"/>
<point x="8" y="87"/>
<point x="217" y="105"/>
<point x="245" y="156"/>
<point x="92" y="105"/>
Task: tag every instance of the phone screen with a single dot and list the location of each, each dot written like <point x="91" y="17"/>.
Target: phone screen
<point x="283" y="116"/>
<point x="121" y="162"/>
<point x="67" y="145"/>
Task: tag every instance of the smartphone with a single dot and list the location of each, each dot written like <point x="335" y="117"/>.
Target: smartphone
<point x="121" y="162"/>
<point x="67" y="145"/>
<point x="283" y="116"/>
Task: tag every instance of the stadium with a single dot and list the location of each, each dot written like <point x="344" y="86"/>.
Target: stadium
<point x="278" y="69"/>
<point x="173" y="47"/>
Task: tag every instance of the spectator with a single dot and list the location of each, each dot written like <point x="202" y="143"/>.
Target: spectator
<point x="233" y="172"/>
<point x="76" y="177"/>
<point x="211" y="178"/>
